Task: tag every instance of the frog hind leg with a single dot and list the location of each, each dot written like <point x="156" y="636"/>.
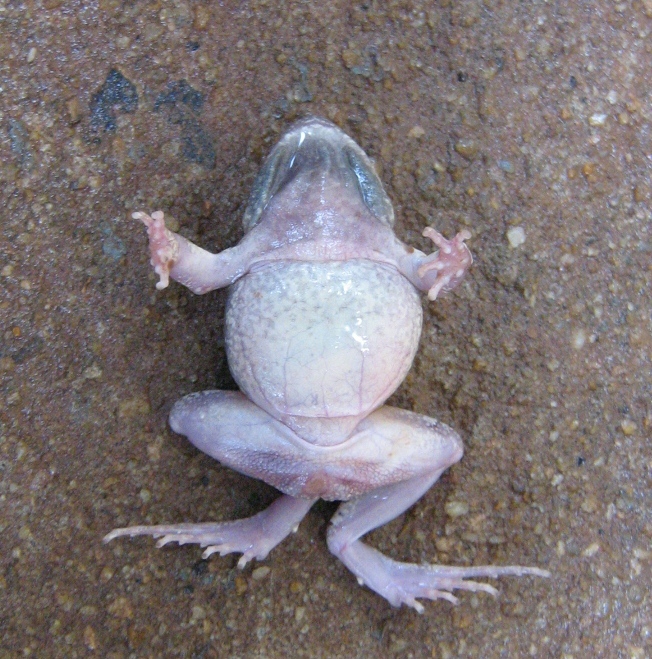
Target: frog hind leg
<point x="253" y="537"/>
<point x="230" y="428"/>
<point x="398" y="582"/>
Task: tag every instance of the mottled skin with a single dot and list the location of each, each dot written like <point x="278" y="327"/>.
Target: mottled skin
<point x="322" y="325"/>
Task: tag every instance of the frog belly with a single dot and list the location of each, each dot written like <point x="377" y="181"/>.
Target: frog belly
<point x="321" y="339"/>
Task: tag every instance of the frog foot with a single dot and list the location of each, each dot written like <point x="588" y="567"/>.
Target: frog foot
<point x="402" y="583"/>
<point x="240" y="536"/>
<point x="163" y="245"/>
<point x="448" y="264"/>
<point x="253" y="537"/>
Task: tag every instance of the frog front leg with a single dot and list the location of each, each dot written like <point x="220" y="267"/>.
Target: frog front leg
<point x="173" y="256"/>
<point x="441" y="271"/>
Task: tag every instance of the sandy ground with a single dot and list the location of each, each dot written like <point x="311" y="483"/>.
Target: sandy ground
<point x="528" y="123"/>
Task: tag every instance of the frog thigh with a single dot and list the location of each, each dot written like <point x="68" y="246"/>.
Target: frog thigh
<point x="389" y="446"/>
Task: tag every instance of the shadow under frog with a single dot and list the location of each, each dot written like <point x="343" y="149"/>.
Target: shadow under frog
<point x="322" y="324"/>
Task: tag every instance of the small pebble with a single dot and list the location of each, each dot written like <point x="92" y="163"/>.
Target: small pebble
<point x="90" y="638"/>
<point x="92" y="372"/>
<point x="133" y="407"/>
<point x="456" y="508"/>
<point x="516" y="236"/>
<point x="107" y="573"/>
<point x="589" y="505"/>
<point x="7" y="364"/>
<point x="198" y="614"/>
<point x="468" y="149"/>
<point x="628" y="427"/>
<point x="591" y="550"/>
<point x="240" y="585"/>
<point x="296" y="587"/>
<point x="579" y="339"/>
<point x="202" y="17"/>
<point x="597" y="119"/>
<point x="74" y="111"/>
<point x="260" y="573"/>
<point x="642" y="554"/>
<point x="121" y="608"/>
<point x="416" y="132"/>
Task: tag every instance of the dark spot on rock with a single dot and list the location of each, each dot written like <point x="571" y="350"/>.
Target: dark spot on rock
<point x="192" y="46"/>
<point x="183" y="103"/>
<point x="580" y="460"/>
<point x="19" y="143"/>
<point x="196" y="145"/>
<point x="572" y="82"/>
<point x="199" y="568"/>
<point x="461" y="76"/>
<point x="112" y="245"/>
<point x="180" y="92"/>
<point x="369" y="65"/>
<point x="519" y="485"/>
<point x="204" y="480"/>
<point x="28" y="348"/>
<point x="280" y="108"/>
<point x="117" y="95"/>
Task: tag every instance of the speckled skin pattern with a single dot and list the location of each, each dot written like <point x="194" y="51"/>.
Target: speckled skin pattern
<point x="322" y="340"/>
<point x="322" y="325"/>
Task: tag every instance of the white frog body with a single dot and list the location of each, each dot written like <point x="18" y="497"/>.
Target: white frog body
<point x="322" y="325"/>
<point x="309" y="340"/>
